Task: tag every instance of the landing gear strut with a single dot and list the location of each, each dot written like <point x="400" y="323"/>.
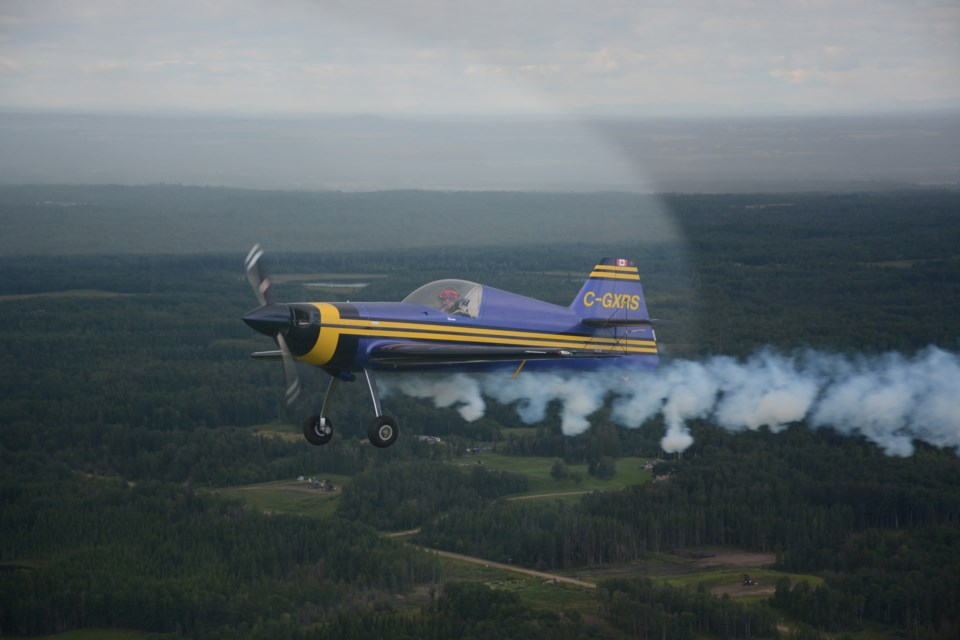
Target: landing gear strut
<point x="383" y="431"/>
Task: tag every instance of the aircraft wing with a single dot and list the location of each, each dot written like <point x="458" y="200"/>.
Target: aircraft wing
<point x="406" y="353"/>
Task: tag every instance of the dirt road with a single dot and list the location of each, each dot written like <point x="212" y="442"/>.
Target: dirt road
<point x="509" y="567"/>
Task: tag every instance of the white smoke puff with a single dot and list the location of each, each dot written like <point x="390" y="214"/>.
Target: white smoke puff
<point x="638" y="398"/>
<point x="889" y="399"/>
<point x="892" y="400"/>
<point x="692" y="394"/>
<point x="936" y="418"/>
<point x="767" y="391"/>
<point x="871" y="397"/>
<point x="579" y="400"/>
<point x="530" y="391"/>
<point x="677" y="439"/>
<point x="459" y="390"/>
<point x="579" y="397"/>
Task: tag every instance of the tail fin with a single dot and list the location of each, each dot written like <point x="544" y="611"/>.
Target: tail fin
<point x="612" y="296"/>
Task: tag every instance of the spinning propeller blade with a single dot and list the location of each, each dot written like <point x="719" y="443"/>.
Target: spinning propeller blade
<point x="257" y="276"/>
<point x="271" y="318"/>
<point x="289" y="370"/>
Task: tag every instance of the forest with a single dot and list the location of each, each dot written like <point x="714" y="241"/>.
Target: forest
<point x="128" y="400"/>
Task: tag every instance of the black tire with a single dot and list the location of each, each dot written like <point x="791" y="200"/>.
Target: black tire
<point x="383" y="432"/>
<point x="317" y="430"/>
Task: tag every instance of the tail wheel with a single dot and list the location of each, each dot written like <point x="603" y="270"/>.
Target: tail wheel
<point x="383" y="432"/>
<point x="318" y="430"/>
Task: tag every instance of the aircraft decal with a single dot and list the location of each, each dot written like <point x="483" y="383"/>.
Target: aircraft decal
<point x="612" y="300"/>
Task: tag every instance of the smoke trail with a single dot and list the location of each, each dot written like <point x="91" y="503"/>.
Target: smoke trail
<point x="890" y="399"/>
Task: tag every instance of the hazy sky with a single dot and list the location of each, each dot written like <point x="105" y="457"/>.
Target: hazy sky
<point x="489" y="56"/>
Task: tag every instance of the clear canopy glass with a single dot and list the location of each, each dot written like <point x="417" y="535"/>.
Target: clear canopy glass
<point x="456" y="297"/>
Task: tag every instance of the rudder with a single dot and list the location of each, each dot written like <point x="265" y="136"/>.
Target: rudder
<point x="612" y="296"/>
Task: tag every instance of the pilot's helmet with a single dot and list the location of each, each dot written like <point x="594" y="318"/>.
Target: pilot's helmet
<point x="448" y="294"/>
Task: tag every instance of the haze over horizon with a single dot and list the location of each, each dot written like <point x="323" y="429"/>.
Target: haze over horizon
<point x="569" y="95"/>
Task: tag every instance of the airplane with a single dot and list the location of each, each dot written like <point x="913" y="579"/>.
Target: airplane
<point x="452" y="325"/>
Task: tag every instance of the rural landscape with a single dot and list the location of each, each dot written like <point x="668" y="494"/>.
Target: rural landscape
<point x="156" y="485"/>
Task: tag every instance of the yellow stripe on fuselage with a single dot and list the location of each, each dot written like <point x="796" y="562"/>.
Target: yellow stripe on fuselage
<point x="453" y="330"/>
<point x="334" y="326"/>
<point x="328" y="339"/>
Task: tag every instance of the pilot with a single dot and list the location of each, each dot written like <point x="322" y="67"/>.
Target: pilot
<point x="451" y="302"/>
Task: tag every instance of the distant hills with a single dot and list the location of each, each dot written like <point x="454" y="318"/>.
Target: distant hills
<point x="579" y="153"/>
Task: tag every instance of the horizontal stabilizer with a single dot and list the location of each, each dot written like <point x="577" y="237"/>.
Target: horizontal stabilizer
<point x="599" y="323"/>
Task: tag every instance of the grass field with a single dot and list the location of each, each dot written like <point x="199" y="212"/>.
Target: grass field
<point x="292" y="497"/>
<point x="536" y="592"/>
<point x="279" y="430"/>
<point x="630" y="471"/>
<point x="296" y="498"/>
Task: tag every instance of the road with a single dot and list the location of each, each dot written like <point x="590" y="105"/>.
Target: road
<point x="515" y="569"/>
<point x="497" y="565"/>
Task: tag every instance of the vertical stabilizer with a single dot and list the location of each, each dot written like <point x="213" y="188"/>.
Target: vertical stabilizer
<point x="612" y="296"/>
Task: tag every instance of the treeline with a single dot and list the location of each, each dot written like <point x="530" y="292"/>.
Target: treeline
<point x="603" y="439"/>
<point x="799" y="494"/>
<point x="404" y="496"/>
<point x="202" y="456"/>
<point x="645" y="609"/>
<point x="906" y="578"/>
<point x="158" y="557"/>
<point x="462" y="610"/>
<point x="538" y="534"/>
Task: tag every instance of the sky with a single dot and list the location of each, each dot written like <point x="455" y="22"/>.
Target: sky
<point x="690" y="57"/>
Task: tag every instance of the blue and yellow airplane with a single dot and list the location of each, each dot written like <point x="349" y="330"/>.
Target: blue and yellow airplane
<point x="453" y="325"/>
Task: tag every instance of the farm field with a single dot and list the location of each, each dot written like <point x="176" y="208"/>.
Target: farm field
<point x="290" y="497"/>
<point x="630" y="471"/>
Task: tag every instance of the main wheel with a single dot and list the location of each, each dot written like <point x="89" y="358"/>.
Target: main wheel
<point x="318" y="430"/>
<point x="383" y="432"/>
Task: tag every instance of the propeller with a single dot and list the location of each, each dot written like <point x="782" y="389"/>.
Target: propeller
<point x="257" y="276"/>
<point x="271" y="318"/>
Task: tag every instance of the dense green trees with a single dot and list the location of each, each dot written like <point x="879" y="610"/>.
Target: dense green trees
<point x="648" y="610"/>
<point x="404" y="496"/>
<point x="98" y="553"/>
<point x="116" y="402"/>
<point x="908" y="578"/>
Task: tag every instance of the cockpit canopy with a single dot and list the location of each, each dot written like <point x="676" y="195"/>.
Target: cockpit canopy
<point x="456" y="297"/>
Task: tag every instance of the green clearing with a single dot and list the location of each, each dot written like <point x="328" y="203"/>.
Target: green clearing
<point x="535" y="592"/>
<point x="284" y="430"/>
<point x="630" y="471"/>
<point x="729" y="580"/>
<point x="290" y="497"/>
